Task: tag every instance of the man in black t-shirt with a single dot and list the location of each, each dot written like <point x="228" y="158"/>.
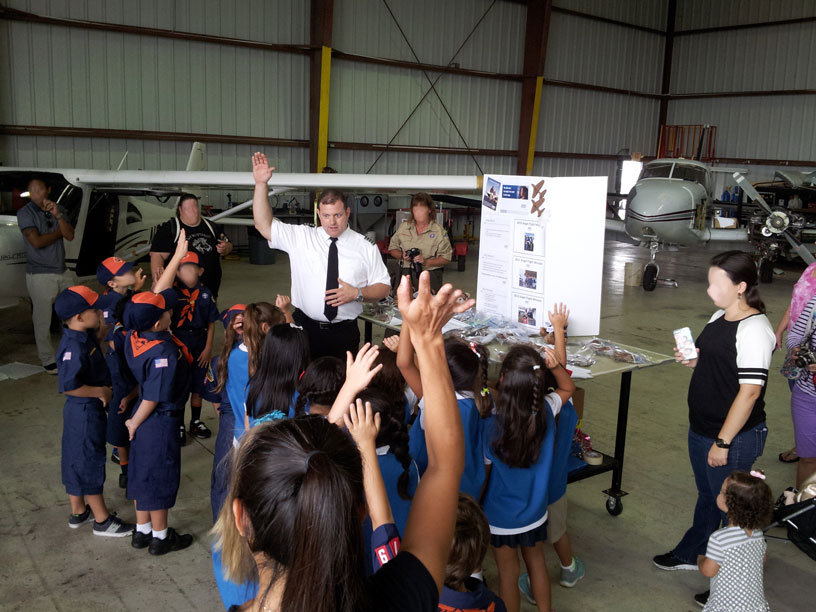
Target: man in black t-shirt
<point x="207" y="239"/>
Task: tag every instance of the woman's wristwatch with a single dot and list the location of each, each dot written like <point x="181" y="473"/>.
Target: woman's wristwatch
<point x="722" y="443"/>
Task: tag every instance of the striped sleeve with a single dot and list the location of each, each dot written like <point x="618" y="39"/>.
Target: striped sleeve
<point x="715" y="550"/>
<point x="755" y="345"/>
<point x="797" y="332"/>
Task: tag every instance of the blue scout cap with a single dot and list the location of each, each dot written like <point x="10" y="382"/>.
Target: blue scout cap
<point x="74" y="300"/>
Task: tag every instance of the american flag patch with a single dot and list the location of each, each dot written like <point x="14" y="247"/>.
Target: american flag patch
<point x="160" y="363"/>
<point x="66" y="356"/>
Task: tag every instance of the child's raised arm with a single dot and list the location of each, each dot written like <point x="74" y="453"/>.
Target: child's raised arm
<point x="405" y="362"/>
<point x="559" y="319"/>
<point x="432" y="519"/>
<point x="169" y="273"/>
<point x="565" y="385"/>
<point x="363" y="425"/>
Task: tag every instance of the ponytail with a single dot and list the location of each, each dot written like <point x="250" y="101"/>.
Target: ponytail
<point x="300" y="483"/>
<point x="255" y="316"/>
<point x="222" y="368"/>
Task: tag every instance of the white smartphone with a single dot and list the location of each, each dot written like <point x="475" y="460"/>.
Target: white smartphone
<point x="684" y="342"/>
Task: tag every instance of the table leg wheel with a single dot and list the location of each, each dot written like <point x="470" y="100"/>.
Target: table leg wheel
<point x="614" y="506"/>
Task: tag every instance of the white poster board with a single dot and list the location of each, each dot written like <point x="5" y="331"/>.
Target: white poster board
<point x="541" y="242"/>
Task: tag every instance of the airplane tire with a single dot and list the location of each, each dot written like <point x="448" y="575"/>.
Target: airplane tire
<point x="765" y="271"/>
<point x="650" y="277"/>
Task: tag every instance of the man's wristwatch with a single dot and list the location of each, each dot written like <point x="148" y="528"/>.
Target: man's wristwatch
<point x="360" y="297"/>
<point x="722" y="443"/>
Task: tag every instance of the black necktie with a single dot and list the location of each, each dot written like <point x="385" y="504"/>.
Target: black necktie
<point x="332" y="273"/>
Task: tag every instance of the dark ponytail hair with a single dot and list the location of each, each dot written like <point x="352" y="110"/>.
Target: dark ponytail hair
<point x="320" y="383"/>
<point x="300" y="482"/>
<point x="119" y="308"/>
<point x="393" y="432"/>
<point x="255" y="316"/>
<point x="468" y="367"/>
<point x="222" y="369"/>
<point x="741" y="267"/>
<point x="284" y="356"/>
<point x="520" y="409"/>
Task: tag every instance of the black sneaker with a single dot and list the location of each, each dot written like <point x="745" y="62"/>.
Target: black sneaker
<point x="113" y="527"/>
<point x="115" y="455"/>
<point x="171" y="543"/>
<point x="182" y="436"/>
<point x="77" y="520"/>
<point x="702" y="598"/>
<point x="51" y="368"/>
<point x="123" y="481"/>
<point x="669" y="562"/>
<point x="141" y="540"/>
<point x="200" y="430"/>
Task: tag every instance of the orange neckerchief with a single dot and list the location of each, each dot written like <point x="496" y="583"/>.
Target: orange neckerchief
<point x="184" y="350"/>
<point x="141" y="345"/>
<point x="188" y="309"/>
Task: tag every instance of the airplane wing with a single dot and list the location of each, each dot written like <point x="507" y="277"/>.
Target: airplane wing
<point x="147" y="179"/>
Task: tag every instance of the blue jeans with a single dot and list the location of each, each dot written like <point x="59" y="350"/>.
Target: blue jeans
<point x="745" y="449"/>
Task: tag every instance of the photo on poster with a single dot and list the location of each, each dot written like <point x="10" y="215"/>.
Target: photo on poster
<point x="529" y="238"/>
<point x="528" y="310"/>
<point x="528" y="273"/>
<point x="515" y="192"/>
<point x="491" y="194"/>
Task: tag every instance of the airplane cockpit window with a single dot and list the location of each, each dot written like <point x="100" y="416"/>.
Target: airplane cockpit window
<point x="14" y="184"/>
<point x="657" y="171"/>
<point x="133" y="214"/>
<point x="690" y="173"/>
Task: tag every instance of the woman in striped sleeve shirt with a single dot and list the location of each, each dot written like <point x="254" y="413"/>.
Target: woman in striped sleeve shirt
<point x="803" y="399"/>
<point x="726" y="407"/>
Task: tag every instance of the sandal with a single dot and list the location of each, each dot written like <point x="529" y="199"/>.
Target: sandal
<point x="789" y="456"/>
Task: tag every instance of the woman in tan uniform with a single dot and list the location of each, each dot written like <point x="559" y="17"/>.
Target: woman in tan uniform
<point x="425" y="234"/>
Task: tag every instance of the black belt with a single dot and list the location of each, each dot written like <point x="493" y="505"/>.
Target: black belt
<point x="322" y="324"/>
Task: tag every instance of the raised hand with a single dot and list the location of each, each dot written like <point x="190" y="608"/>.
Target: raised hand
<point x="182" y="246"/>
<point x="140" y="279"/>
<point x="391" y="343"/>
<point x="261" y="170"/>
<point x="427" y="314"/>
<point x="363" y="424"/>
<point x="559" y="316"/>
<point x="359" y="370"/>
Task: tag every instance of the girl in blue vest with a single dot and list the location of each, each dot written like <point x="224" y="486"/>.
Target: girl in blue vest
<point x="519" y="438"/>
<point x="468" y="368"/>
<point x="284" y="358"/>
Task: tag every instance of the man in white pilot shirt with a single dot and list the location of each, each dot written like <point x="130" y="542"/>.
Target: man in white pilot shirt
<point x="334" y="269"/>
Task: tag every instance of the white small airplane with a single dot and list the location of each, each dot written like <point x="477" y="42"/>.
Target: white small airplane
<point x="116" y="212"/>
<point x="672" y="205"/>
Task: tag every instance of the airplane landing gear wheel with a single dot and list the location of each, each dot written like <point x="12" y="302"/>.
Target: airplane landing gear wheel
<point x="765" y="271"/>
<point x="614" y="506"/>
<point x="650" y="277"/>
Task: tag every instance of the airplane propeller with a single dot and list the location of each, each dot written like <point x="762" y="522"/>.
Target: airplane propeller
<point x="778" y="222"/>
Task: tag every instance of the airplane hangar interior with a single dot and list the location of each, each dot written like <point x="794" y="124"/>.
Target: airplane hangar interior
<point x="622" y="195"/>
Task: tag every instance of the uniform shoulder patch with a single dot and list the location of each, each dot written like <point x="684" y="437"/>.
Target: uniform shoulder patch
<point x="160" y="363"/>
<point x="66" y="356"/>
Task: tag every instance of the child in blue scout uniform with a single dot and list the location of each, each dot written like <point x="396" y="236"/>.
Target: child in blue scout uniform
<point x="518" y="448"/>
<point x="194" y="324"/>
<point x="468" y="368"/>
<point x="233" y="320"/>
<point x="84" y="379"/>
<point x="120" y="280"/>
<point x="161" y="365"/>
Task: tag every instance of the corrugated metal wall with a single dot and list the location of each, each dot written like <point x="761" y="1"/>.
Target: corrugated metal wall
<point x="646" y="13"/>
<point x="769" y="58"/>
<point x="70" y="77"/>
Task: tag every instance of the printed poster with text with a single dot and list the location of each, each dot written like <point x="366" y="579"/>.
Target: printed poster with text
<point x="541" y="242"/>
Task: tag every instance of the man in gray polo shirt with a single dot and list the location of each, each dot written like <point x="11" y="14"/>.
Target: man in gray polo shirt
<point x="44" y="226"/>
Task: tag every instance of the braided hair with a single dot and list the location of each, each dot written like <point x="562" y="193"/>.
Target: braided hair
<point x="320" y="383"/>
<point x="393" y="432"/>
<point x="524" y="382"/>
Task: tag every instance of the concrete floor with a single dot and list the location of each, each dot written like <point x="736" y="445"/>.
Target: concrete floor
<point x="45" y="566"/>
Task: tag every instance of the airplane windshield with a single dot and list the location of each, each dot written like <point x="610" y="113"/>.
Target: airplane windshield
<point x="657" y="171"/>
<point x="689" y="173"/>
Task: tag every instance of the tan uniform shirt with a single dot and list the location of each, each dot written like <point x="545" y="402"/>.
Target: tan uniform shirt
<point x="433" y="242"/>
